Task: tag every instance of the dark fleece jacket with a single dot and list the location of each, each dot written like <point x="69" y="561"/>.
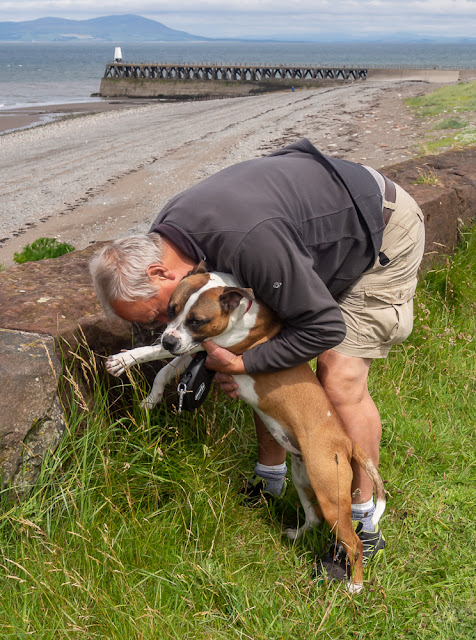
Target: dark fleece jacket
<point x="297" y="227"/>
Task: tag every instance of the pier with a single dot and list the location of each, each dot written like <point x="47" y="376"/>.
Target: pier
<point x="200" y="81"/>
<point x="231" y="72"/>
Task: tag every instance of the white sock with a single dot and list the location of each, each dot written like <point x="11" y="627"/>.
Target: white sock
<point x="363" y="513"/>
<point x="274" y="476"/>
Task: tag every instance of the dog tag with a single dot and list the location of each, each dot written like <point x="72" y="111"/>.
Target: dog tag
<point x="195" y="384"/>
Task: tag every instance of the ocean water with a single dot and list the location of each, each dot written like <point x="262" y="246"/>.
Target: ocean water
<point x="58" y="73"/>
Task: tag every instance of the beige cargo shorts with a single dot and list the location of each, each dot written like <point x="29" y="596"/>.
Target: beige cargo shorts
<point x="378" y="308"/>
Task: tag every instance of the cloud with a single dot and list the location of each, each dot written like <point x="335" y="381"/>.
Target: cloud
<point x="293" y="17"/>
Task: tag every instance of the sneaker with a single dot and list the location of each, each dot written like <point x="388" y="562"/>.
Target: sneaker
<point x="255" y="491"/>
<point x="334" y="564"/>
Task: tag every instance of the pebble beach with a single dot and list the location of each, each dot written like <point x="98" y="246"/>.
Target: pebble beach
<point x="107" y="171"/>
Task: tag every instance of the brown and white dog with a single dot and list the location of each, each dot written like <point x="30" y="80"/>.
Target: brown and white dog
<point x="292" y="403"/>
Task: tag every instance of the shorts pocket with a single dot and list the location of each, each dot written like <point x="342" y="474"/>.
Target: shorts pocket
<point x="389" y="313"/>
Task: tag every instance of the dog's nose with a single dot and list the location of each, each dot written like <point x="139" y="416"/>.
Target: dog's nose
<point x="170" y="343"/>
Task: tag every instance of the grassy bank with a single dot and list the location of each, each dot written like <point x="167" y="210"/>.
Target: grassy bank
<point x="449" y="117"/>
<point x="135" y="530"/>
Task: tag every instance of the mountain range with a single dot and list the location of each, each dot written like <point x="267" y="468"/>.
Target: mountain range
<point x="123" y="28"/>
<point x="133" y="28"/>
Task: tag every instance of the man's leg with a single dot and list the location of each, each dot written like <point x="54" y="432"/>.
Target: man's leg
<point x="345" y="380"/>
<point x="270" y="452"/>
<point x="270" y="471"/>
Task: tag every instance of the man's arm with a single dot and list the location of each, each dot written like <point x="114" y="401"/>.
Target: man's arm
<point x="274" y="262"/>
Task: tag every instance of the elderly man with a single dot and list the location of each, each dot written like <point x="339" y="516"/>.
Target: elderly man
<point x="331" y="246"/>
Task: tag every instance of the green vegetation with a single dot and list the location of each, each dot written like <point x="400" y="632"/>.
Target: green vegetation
<point x="42" y="248"/>
<point x="135" y="529"/>
<point x="453" y="97"/>
<point x="427" y="176"/>
<point x="451" y="123"/>
<point x="434" y="109"/>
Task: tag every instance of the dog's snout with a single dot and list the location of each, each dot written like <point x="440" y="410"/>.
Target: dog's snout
<point x="170" y="343"/>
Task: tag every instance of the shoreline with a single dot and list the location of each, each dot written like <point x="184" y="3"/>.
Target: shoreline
<point x="23" y="118"/>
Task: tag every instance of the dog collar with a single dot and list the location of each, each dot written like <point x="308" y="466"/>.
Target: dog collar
<point x="249" y="306"/>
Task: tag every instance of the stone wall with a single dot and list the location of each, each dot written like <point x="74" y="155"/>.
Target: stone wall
<point x="422" y="75"/>
<point x="199" y="89"/>
<point x="45" y="307"/>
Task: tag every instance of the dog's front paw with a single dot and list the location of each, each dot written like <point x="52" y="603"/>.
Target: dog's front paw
<point x="150" y="402"/>
<point x="293" y="534"/>
<point x="118" y="363"/>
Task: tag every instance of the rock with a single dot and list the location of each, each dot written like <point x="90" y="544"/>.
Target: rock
<point x="46" y="308"/>
<point x="56" y="297"/>
<point x="448" y="204"/>
<point x="31" y="419"/>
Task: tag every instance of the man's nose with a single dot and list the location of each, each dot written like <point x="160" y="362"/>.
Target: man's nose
<point x="170" y="342"/>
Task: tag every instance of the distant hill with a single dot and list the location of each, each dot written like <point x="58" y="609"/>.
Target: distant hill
<point x="125" y="28"/>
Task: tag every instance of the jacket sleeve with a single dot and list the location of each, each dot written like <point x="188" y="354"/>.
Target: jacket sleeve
<point x="275" y="263"/>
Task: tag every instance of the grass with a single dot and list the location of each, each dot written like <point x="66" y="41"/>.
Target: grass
<point x="135" y="530"/>
<point x="433" y="109"/>
<point x="42" y="248"/>
<point x="427" y="176"/>
<point x="451" y="123"/>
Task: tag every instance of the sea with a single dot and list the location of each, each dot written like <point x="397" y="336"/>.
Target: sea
<point x="37" y="74"/>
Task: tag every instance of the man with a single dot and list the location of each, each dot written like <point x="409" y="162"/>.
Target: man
<point x="332" y="246"/>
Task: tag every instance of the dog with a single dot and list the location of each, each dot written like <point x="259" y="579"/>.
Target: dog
<point x="292" y="403"/>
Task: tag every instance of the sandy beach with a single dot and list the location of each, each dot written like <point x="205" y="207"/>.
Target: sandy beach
<point x="108" y="173"/>
<point x="25" y="117"/>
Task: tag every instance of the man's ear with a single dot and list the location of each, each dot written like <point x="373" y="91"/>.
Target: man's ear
<point x="158" y="271"/>
<point x="232" y="296"/>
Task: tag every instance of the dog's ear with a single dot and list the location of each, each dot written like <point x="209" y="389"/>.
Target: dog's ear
<point x="201" y="267"/>
<point x="232" y="296"/>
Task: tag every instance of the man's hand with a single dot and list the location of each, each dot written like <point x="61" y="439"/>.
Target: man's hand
<point x="227" y="364"/>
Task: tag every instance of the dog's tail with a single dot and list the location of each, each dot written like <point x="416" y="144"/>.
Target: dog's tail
<point x="371" y="470"/>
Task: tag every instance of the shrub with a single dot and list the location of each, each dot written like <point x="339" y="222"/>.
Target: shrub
<point x="42" y="248"/>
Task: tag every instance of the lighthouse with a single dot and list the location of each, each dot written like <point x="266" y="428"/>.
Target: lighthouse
<point x="117" y="54"/>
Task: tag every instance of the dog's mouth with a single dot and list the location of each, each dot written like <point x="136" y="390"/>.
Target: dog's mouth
<point x="177" y="347"/>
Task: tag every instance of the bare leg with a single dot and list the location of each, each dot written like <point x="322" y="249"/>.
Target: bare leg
<point x="345" y="380"/>
<point x="270" y="452"/>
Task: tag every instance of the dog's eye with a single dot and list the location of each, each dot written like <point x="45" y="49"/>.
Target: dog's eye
<point x="195" y="323"/>
<point x="171" y="311"/>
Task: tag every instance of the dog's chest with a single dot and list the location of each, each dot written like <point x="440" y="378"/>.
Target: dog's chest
<point x="246" y="389"/>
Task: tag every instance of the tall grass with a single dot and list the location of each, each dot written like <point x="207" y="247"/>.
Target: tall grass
<point x="134" y="530"/>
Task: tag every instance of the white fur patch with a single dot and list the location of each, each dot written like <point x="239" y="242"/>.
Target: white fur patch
<point x="248" y="394"/>
<point x="379" y="509"/>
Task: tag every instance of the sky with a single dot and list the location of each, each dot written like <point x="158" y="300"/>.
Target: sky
<point x="268" y="18"/>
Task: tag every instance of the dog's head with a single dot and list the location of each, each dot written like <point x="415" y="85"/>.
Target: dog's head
<point x="203" y="306"/>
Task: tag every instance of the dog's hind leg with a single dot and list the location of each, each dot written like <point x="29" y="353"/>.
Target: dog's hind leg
<point x="307" y="497"/>
<point x="161" y="380"/>
<point x="332" y="482"/>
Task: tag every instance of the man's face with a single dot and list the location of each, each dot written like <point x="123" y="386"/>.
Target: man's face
<point x="147" y="311"/>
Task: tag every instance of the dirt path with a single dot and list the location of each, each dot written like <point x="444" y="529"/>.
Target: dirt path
<point x="104" y="175"/>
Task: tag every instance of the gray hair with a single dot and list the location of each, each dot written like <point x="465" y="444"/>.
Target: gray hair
<point x="119" y="269"/>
